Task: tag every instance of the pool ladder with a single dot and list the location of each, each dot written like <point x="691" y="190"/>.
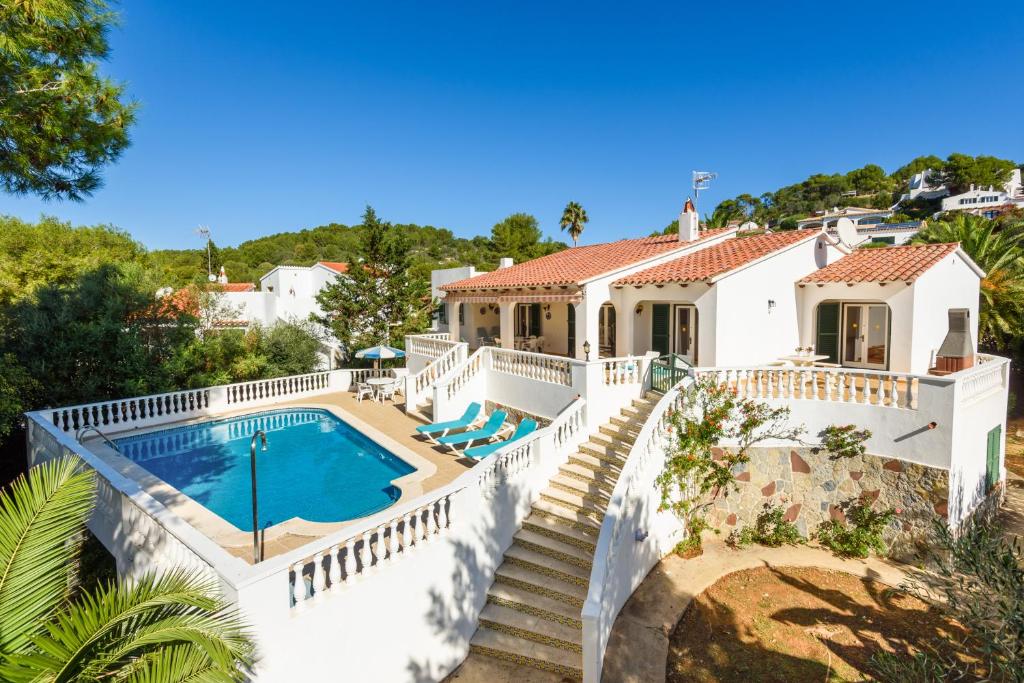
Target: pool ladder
<point x="92" y="428"/>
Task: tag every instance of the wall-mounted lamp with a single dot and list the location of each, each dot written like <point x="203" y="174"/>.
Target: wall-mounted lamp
<point x="771" y="305"/>
<point x="586" y="350"/>
<point x="639" y="309"/>
<point x="641" y="535"/>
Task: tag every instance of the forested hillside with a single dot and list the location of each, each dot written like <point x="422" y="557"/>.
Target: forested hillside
<point x="869" y="186"/>
<point x="518" y="236"/>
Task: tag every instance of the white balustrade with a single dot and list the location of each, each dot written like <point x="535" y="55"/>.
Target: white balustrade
<point x="429" y="345"/>
<point x="437" y="371"/>
<point x="616" y="371"/>
<point x="535" y="366"/>
<point x="843" y="385"/>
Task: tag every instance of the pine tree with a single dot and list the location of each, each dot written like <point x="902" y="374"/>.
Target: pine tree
<point x="379" y="300"/>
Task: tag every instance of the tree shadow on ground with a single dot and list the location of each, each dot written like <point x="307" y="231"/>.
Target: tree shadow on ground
<point x="795" y="625"/>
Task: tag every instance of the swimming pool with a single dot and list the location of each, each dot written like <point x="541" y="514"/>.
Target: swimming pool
<point x="316" y="467"/>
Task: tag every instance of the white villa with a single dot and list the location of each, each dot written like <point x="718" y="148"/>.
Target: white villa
<point x="285" y="293"/>
<point x="527" y="550"/>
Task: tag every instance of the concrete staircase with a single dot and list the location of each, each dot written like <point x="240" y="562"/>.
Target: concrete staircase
<point x="532" y="615"/>
<point x="424" y="412"/>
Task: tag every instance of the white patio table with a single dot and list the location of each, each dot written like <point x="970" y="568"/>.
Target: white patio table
<point x="804" y="361"/>
<point x="377" y="383"/>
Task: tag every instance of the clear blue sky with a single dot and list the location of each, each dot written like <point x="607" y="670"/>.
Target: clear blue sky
<point x="262" y="117"/>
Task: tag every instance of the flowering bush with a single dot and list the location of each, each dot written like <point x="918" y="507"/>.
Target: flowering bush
<point x="698" y="469"/>
<point x="844" y="441"/>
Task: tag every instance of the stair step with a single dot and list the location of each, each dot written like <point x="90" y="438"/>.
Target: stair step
<point x="506" y="620"/>
<point x="638" y="413"/>
<point x="607" y="452"/>
<point x="627" y="434"/>
<point x="567" y="515"/>
<point x="590" y="462"/>
<point x="632" y="424"/>
<point x="530" y="581"/>
<point x="590" y="476"/>
<point x="520" y="556"/>
<point x="581" y="506"/>
<point x="518" y="650"/>
<point x="538" y="605"/>
<point x="611" y="444"/>
<point x="562" y="531"/>
<point x="588" y="490"/>
<point x="566" y="552"/>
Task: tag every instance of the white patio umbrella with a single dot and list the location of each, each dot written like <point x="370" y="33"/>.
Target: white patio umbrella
<point x="378" y="353"/>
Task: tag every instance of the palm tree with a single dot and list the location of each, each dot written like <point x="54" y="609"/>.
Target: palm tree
<point x="170" y="628"/>
<point x="1000" y="253"/>
<point x="574" y="217"/>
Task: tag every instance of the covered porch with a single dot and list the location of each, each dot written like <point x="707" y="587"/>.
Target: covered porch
<point x="553" y="321"/>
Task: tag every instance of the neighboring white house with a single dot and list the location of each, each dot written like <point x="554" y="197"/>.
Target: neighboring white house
<point x="286" y="292"/>
<point x="988" y="201"/>
<point x="823" y="220"/>
<point x="719" y="298"/>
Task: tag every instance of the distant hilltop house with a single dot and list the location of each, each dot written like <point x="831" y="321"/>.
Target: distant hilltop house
<point x="870" y="224"/>
<point x="980" y="201"/>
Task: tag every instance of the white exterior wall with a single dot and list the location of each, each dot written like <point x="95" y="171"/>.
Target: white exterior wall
<point x="294" y="289"/>
<point x="747" y="331"/>
<point x="695" y="293"/>
<point x="253" y="307"/>
<point x="951" y="283"/>
<point x="443" y="276"/>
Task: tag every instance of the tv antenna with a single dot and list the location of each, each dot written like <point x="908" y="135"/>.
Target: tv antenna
<point x="702" y="181"/>
<point x="204" y="232"/>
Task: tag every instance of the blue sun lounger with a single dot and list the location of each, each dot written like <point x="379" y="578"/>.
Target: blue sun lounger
<point x="525" y="428"/>
<point x="494" y="425"/>
<point x="442" y="428"/>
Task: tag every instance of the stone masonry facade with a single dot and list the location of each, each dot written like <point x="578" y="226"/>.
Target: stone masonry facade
<point x="812" y="486"/>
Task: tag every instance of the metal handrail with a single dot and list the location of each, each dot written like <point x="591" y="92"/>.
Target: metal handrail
<point x="82" y="431"/>
<point x="257" y="551"/>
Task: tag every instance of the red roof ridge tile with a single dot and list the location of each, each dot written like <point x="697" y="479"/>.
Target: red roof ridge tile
<point x="902" y="263"/>
<point x="718" y="259"/>
<point x="580" y="264"/>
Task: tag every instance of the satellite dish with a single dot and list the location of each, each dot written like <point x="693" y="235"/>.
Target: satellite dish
<point x="748" y="226"/>
<point x="847" y="232"/>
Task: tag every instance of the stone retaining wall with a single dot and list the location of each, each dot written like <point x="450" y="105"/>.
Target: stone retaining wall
<point x="812" y="485"/>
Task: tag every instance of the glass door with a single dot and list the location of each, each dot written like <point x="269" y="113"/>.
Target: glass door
<point x="866" y="335"/>
<point x="685" y="333"/>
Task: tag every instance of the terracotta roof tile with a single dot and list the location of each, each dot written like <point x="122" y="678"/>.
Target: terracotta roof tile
<point x="577" y="264"/>
<point x="888" y="264"/>
<point x="234" y="287"/>
<point x="717" y="259"/>
<point x="336" y="266"/>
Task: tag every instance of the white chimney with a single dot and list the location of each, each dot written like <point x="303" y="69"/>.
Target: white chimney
<point x="505" y="262"/>
<point x="689" y="225"/>
<point x="223" y="277"/>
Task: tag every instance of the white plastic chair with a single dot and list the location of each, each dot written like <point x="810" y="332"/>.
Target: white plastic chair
<point x="363" y="390"/>
<point x="387" y="391"/>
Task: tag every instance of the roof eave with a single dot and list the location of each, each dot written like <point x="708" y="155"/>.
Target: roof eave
<point x="674" y="252"/>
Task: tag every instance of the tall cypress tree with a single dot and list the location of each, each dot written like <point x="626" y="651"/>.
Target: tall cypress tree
<point x="379" y="300"/>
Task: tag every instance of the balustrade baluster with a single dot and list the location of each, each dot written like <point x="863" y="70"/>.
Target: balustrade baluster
<point x="299" y="586"/>
<point x="380" y="546"/>
<point x="423" y="518"/>
<point x="350" y="560"/>
<point x="335" y="573"/>
<point x="319" y="579"/>
<point x="894" y="398"/>
<point x="880" y="395"/>
<point x="406" y="533"/>
<point x="442" y="515"/>
<point x="841" y="387"/>
<point x="364" y="554"/>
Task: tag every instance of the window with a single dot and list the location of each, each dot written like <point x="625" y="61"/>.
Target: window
<point x="527" y="322"/>
<point x="442" y="314"/>
<point x="462" y="314"/>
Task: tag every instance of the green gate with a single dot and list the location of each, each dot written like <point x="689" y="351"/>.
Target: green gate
<point x="667" y="371"/>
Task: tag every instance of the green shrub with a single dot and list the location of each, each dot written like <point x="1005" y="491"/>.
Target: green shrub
<point x="770" y="529"/>
<point x="861" y="533"/>
<point x="692" y="545"/>
<point x="844" y="441"/>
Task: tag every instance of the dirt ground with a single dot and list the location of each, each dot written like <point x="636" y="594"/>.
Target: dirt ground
<point x="1015" y="446"/>
<point x="795" y="625"/>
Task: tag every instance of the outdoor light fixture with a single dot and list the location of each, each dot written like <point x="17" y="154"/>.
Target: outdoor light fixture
<point x="586" y="349"/>
<point x="641" y="535"/>
<point x="771" y="305"/>
<point x="639" y="309"/>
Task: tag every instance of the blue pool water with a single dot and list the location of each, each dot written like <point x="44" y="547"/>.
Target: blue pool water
<point x="316" y="467"/>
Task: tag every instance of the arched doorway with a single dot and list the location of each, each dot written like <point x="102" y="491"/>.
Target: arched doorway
<point x="606" y="330"/>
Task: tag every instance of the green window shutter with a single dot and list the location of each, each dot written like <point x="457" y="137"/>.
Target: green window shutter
<point x="995" y="437"/>
<point x="660" y="328"/>
<point x="535" y="319"/>
<point x="572" y="330"/>
<point x="828" y="332"/>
